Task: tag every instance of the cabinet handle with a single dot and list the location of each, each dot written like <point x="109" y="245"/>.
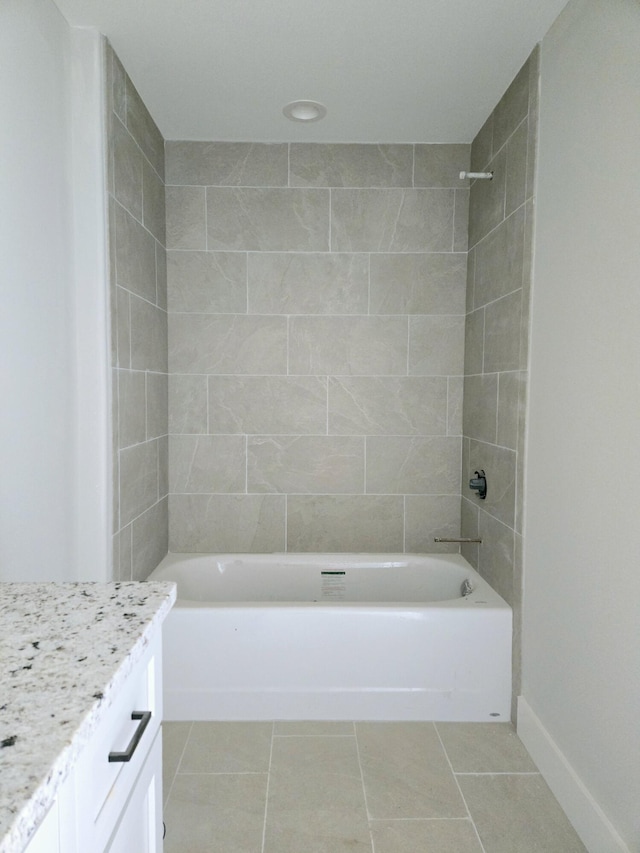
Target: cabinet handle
<point x="127" y="755"/>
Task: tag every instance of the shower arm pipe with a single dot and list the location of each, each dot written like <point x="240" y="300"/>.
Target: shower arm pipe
<point x="460" y="541"/>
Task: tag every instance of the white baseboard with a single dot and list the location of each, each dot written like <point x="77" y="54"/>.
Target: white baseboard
<point x="590" y="822"/>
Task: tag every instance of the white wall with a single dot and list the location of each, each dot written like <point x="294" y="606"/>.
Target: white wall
<point x="47" y="488"/>
<point x="581" y="640"/>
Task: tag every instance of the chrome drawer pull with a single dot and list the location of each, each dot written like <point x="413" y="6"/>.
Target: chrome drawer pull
<point x="127" y="755"/>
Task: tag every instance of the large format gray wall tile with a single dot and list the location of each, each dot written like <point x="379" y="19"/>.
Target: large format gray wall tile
<point x="499" y="260"/>
<point x="392" y="220"/>
<point x="188" y="404"/>
<point x="153" y="203"/>
<point x="143" y="128"/>
<point x="323" y="165"/>
<point x="308" y="283"/>
<point x="403" y="465"/>
<point x="257" y="219"/>
<point x="207" y="282"/>
<point x="138" y="480"/>
<point x="132" y="409"/>
<point x="316" y="464"/>
<point x="157" y="389"/>
<point x="305" y="346"/>
<point x="486" y="205"/>
<point x="186" y="218"/>
<point x="348" y="345"/>
<point x="207" y="464"/>
<point x="366" y="405"/>
<point x="227" y="523"/>
<point x="418" y="283"/>
<point x="497" y="332"/>
<point x="502" y="333"/>
<point x="267" y="404"/>
<point x="235" y="343"/>
<point x="512" y="108"/>
<point x="149" y="540"/>
<point x="345" y="523"/>
<point x="227" y="164"/>
<point x="135" y="256"/>
<point x="428" y="517"/>
<point x="148" y="336"/>
<point x="440" y="165"/>
<point x="127" y="160"/>
<point x="436" y="345"/>
<point x="138" y="300"/>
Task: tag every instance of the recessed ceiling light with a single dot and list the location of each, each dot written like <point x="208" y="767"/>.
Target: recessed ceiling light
<point x="305" y="111"/>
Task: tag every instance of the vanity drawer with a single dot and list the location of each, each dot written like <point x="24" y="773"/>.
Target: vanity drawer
<point x="109" y="783"/>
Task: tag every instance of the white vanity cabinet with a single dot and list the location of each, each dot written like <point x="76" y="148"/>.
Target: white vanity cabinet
<point x="115" y="805"/>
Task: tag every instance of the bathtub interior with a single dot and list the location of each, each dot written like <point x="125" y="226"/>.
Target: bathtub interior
<point x="321" y="578"/>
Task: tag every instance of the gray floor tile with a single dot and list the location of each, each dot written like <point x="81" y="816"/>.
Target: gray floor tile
<point x="316" y="801"/>
<point x="174" y="739"/>
<point x="228" y="748"/>
<point x="485" y="748"/>
<point x="317" y="832"/>
<point x="406" y="773"/>
<point x="518" y="813"/>
<point x="310" y="778"/>
<point x="220" y="813"/>
<point x="424" y="836"/>
<point x="287" y="728"/>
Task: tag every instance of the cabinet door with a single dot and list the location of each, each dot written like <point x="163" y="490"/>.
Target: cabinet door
<point x="140" y="827"/>
<point x="46" y="839"/>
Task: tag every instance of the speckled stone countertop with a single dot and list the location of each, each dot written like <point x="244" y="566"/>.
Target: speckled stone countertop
<point x="65" y="649"/>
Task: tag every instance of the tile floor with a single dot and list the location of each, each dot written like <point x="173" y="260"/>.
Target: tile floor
<point x="313" y="787"/>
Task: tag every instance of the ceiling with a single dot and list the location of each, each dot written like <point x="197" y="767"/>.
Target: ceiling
<point x="387" y="70"/>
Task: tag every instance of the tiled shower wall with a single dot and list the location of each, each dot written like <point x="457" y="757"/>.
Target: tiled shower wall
<point x="316" y="299"/>
<point x="135" y="182"/>
<point x="497" y="337"/>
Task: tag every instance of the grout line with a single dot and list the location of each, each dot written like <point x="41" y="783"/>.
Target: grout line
<point x="453" y="220"/>
<point x="326" y="379"/>
<point x="311" y="736"/>
<point x="246" y="263"/>
<point x="206" y="222"/>
<point x="208" y="432"/>
<point x="364" y="790"/>
<point x="184" y="748"/>
<point x="324" y="252"/>
<point x="225" y="773"/>
<point x="404" y="524"/>
<point x="495" y="228"/>
<point x="286" y="522"/>
<point x="446" y="754"/>
<point x="266" y="796"/>
<point x="500" y="773"/>
<point x="420" y="819"/>
<point x="364" y="485"/>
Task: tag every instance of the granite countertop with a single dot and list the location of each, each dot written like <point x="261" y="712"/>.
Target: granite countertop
<point x="65" y="649"/>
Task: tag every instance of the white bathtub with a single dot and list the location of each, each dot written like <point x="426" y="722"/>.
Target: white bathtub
<point x="334" y="637"/>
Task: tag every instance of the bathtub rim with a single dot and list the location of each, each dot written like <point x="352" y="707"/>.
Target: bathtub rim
<point x="484" y="597"/>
